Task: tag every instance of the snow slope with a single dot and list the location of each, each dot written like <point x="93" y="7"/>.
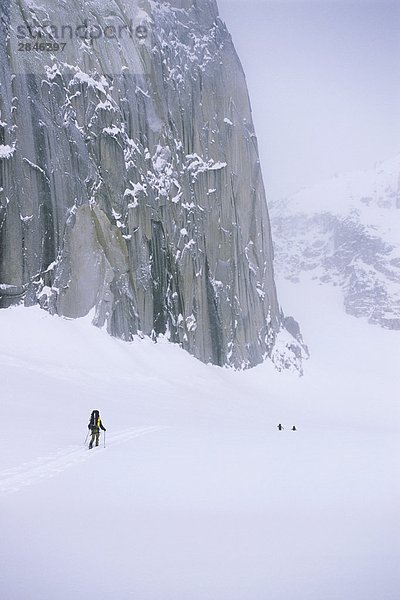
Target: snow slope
<point x="197" y="496"/>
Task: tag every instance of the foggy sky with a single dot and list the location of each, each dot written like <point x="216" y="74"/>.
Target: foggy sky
<point x="324" y="83"/>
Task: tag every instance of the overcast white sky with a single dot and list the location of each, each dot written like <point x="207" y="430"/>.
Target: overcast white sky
<point x="324" y="82"/>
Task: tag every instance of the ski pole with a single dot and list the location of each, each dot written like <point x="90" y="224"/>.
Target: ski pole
<point x="104" y="439"/>
<point x="87" y="435"/>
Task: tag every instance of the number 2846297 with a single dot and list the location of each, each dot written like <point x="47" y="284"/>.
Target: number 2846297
<point x="41" y="46"/>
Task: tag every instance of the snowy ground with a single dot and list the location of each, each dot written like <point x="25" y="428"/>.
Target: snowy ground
<point x="197" y="496"/>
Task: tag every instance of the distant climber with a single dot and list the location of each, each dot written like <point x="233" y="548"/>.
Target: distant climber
<point x="94" y="426"/>
<point x="280" y="427"/>
<point x="294" y="428"/>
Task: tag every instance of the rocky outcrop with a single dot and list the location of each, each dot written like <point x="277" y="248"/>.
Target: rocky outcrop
<point x="129" y="175"/>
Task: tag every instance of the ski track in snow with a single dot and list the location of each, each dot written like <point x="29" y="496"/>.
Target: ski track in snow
<point x="29" y="473"/>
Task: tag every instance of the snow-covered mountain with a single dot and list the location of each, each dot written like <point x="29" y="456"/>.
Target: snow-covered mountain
<point x="346" y="231"/>
<point x="129" y="176"/>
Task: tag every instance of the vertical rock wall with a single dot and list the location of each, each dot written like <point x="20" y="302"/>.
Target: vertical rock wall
<point x="129" y="176"/>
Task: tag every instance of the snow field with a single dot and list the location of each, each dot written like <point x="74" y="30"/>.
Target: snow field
<point x="197" y="496"/>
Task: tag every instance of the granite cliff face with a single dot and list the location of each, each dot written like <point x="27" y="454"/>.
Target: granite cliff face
<point x="129" y="176"/>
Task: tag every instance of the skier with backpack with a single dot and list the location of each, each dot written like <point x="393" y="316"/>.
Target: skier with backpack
<point x="94" y="426"/>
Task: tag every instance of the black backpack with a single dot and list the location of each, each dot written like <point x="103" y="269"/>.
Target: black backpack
<point x="94" y="419"/>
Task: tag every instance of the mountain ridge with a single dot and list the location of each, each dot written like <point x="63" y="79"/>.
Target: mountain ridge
<point x="345" y="231"/>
